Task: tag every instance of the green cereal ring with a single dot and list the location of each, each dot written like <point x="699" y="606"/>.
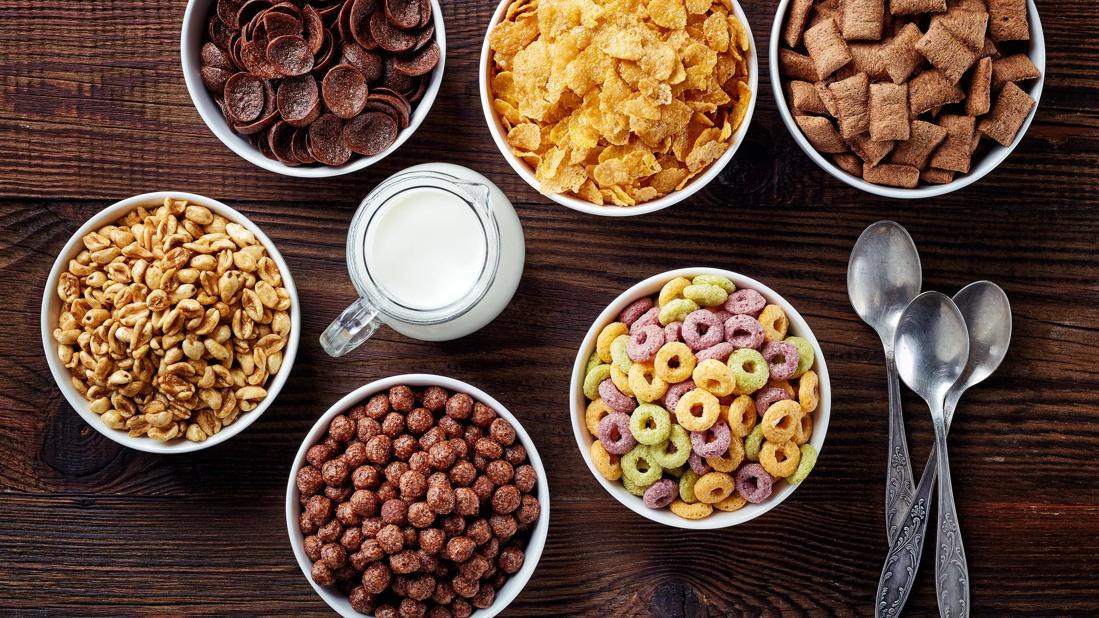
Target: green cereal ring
<point x="593" y="360"/>
<point x="705" y="294"/>
<point x="619" y="357"/>
<point x="632" y="488"/>
<point x="721" y="282"/>
<point x="752" y="444"/>
<point x="805" y="354"/>
<point x="650" y="424"/>
<point x="749" y="369"/>
<point x="679" y="441"/>
<point x="676" y="310"/>
<point x="677" y="471"/>
<point x="808" y="460"/>
<point x="640" y="467"/>
<point x="596" y="375"/>
<point x="687" y="486"/>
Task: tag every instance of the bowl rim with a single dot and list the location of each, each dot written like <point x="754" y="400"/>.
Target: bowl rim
<point x="695" y="185"/>
<point x="194" y="18"/>
<point x="51" y="306"/>
<point x="535" y="546"/>
<point x="989" y="162"/>
<point x="577" y="401"/>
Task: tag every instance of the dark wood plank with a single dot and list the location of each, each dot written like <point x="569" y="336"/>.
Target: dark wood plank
<point x="93" y="109"/>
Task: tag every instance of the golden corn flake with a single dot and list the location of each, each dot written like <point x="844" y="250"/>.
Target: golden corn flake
<point x="619" y="101"/>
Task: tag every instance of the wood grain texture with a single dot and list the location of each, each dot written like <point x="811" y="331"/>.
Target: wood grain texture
<point x="93" y="109"/>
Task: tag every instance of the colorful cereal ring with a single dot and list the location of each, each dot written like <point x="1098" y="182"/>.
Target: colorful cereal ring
<point x="605" y="463"/>
<point x="595" y="413"/>
<point x="698" y="510"/>
<point x="614" y="433"/>
<point x="752" y="444"/>
<point x="676" y="310"/>
<point x="696" y="411"/>
<point x="806" y="356"/>
<point x="744" y="331"/>
<point x="650" y="317"/>
<point x="780" y="422"/>
<point x="650" y="424"/>
<point x="675" y="391"/>
<point x="805" y="466"/>
<point x="687" y="486"/>
<point x="660" y="494"/>
<point x="749" y="370"/>
<point x="614" y="398"/>
<point x="621" y="381"/>
<point x="633" y="488"/>
<point x="702" y="329"/>
<point x="639" y="466"/>
<point x="805" y="429"/>
<point x="779" y="459"/>
<point x="731" y="459"/>
<point x="720" y="352"/>
<point x="734" y="502"/>
<point x="635" y="310"/>
<point x="710" y="443"/>
<point x="722" y="282"/>
<point x="714" y="376"/>
<point x="593" y="361"/>
<point x="775" y="323"/>
<point x="606" y="336"/>
<point x="645" y="343"/>
<point x="619" y="357"/>
<point x="672" y="290"/>
<point x="705" y="295"/>
<point x="741" y="416"/>
<point x="714" y="487"/>
<point x="674" y="362"/>
<point x="645" y="384"/>
<point x="768" y="396"/>
<point x="782" y="359"/>
<point x="675" y="451"/>
<point x="753" y="482"/>
<point x="745" y="302"/>
<point x="698" y="465"/>
<point x="593" y="377"/>
<point x="673" y="332"/>
<point x="809" y="391"/>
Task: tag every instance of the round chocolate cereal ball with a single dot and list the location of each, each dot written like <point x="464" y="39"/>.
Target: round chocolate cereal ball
<point x="412" y="484"/>
<point x="460" y="607"/>
<point x="460" y="548"/>
<point x="377" y="406"/>
<point x="421" y="587"/>
<point x="506" y="499"/>
<point x="352" y="538"/>
<point x="451" y="428"/>
<point x="441" y="499"/>
<point x="361" y="600"/>
<point x="387" y="491"/>
<point x="312" y="546"/>
<point x="379" y="449"/>
<point x="444" y="593"/>
<point x="459" y="406"/>
<point x="335" y="471"/>
<point x="442" y="455"/>
<point x="438" y="611"/>
<point x="482" y="415"/>
<point x="464" y="587"/>
<point x="411" y="535"/>
<point x="510" y="559"/>
<point x="460" y="447"/>
<point x="366" y="477"/>
<point x="356" y="413"/>
<point x="529" y="510"/>
<point x="390" y="539"/>
<point x="472" y="434"/>
<point x="434" y="398"/>
<point x="411" y="608"/>
<point x="322" y="574"/>
<point x="432" y="540"/>
<point x="371" y="526"/>
<point x="341" y="428"/>
<point x="333" y="555"/>
<point x="463" y="473"/>
<point x="489" y="449"/>
<point x="419" y="420"/>
<point x="309" y="481"/>
<point x="394" y="511"/>
<point x="479" y="531"/>
<point x="515" y="454"/>
<point x="420" y="462"/>
<point x="395" y="470"/>
<point x="526" y="478"/>
<point x="499" y="472"/>
<point x="393" y="424"/>
<point x="438" y="479"/>
<point x="491" y="548"/>
<point x="376" y="578"/>
<point x="431" y="437"/>
<point x="331" y="531"/>
<point x="466" y="502"/>
<point x="483" y="487"/>
<point x="371" y="551"/>
<point x="503" y="526"/>
<point x="338" y="494"/>
<point x="318" y="454"/>
<point x="453" y="524"/>
<point x="306" y="524"/>
<point x="420" y="515"/>
<point x="346" y="515"/>
<point x="386" y="611"/>
<point x="355" y="455"/>
<point x="473" y="568"/>
<point x="365" y="503"/>
<point x="484" y="597"/>
<point x="502" y="432"/>
<point x="319" y="509"/>
<point x="404" y="446"/>
<point x="404" y="562"/>
<point x="402" y="398"/>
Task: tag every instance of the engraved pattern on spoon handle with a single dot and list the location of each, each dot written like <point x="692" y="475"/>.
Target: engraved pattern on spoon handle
<point x="898" y="574"/>
<point x="951" y="567"/>
<point x="899" y="490"/>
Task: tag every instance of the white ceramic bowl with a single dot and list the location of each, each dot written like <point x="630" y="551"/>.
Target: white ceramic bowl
<point x="515" y="583"/>
<point x="51" y="309"/>
<point x="194" y="32"/>
<point x="980" y="168"/>
<point x="527" y="174"/>
<point x="578" y="403"/>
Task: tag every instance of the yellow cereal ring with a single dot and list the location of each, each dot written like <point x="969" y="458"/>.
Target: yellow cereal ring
<point x="779" y="459"/>
<point x="732" y="458"/>
<point x="621" y="380"/>
<point x="705" y="295"/>
<point x="619" y="357"/>
<point x="721" y="282"/>
<point x="645" y="383"/>
<point x="805" y="429"/>
<point x="676" y="310"/>
<point x="606" y="463"/>
<point x="784" y="385"/>
<point x="775" y="323"/>
<point x="809" y="392"/>
<point x="674" y="362"/>
<point x="595" y="413"/>
<point x="714" y="487"/>
<point x="697" y="410"/>
<point x="781" y="420"/>
<point x="672" y="290"/>
<point x="698" y="510"/>
<point x="741" y="416"/>
<point x="734" y="502"/>
<point x="607" y="336"/>
<point x="594" y="376"/>
<point x="714" y="376"/>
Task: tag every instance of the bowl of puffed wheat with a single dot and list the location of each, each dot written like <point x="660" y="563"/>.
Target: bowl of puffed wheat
<point x="170" y="322"/>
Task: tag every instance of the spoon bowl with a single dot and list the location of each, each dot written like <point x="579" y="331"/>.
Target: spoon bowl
<point x="932" y="346"/>
<point x="987" y="313"/>
<point x="883" y="276"/>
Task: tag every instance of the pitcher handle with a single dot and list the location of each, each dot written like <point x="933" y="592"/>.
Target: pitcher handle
<point x="354" y="326"/>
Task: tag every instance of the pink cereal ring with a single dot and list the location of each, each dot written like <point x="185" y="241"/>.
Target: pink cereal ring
<point x="614" y="398"/>
<point x="721" y="352"/>
<point x="614" y="433"/>
<point x="702" y="329"/>
<point x="697" y="463"/>
<point x="744" y="331"/>
<point x="714" y="442"/>
<point x="782" y="359"/>
<point x="652" y="316"/>
<point x="722" y="314"/>
<point x="753" y="482"/>
<point x="661" y="493"/>
<point x="673" y="332"/>
<point x="645" y="343"/>
<point x="675" y="391"/>
<point x="635" y="310"/>
<point x="765" y="398"/>
<point x="745" y="302"/>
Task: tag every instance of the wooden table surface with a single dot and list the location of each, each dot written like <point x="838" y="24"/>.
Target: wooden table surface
<point x="93" y="109"/>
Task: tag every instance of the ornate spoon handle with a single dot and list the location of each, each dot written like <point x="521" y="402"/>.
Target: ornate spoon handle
<point x="898" y="574"/>
<point x="951" y="567"/>
<point x="898" y="482"/>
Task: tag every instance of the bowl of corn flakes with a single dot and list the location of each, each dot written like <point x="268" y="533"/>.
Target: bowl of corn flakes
<point x="618" y="107"/>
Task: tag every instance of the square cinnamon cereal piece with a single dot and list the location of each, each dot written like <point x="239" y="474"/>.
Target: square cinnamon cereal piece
<point x="889" y="112"/>
<point x="1007" y="115"/>
<point x="1007" y="20"/>
<point x="901" y="56"/>
<point x="869" y="151"/>
<point x="797" y="66"/>
<point x="968" y="26"/>
<point x="828" y="99"/>
<point x="955" y="152"/>
<point x="827" y="48"/>
<point x="826" y="10"/>
<point x="979" y="98"/>
<point x="848" y="163"/>
<point x="1014" y="68"/>
<point x="892" y="175"/>
<point x="821" y="134"/>
<point x="946" y="52"/>
<point x="911" y="7"/>
<point x="924" y="138"/>
<point x="853" y="104"/>
<point x="934" y="176"/>
<point x="868" y="58"/>
<point x="795" y="21"/>
<point x="929" y="90"/>
<point x="806" y="99"/>
<point x="862" y="19"/>
<point x="990" y="50"/>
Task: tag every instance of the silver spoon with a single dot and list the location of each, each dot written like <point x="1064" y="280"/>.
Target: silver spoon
<point x="987" y="314"/>
<point x="932" y="352"/>
<point x="883" y="276"/>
